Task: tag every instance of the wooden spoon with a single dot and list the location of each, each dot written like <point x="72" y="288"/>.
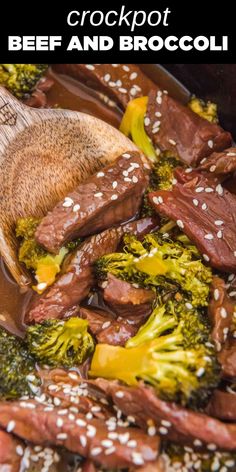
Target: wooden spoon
<point x="44" y="154"/>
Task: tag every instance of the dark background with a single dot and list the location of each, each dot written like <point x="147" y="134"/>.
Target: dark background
<point x="49" y="18"/>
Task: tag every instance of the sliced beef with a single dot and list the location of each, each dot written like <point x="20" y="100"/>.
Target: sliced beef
<point x="172" y="421"/>
<point x="120" y="82"/>
<point x="76" y="278"/>
<point x="127" y="300"/>
<point x="220" y="311"/>
<point x="143" y="226"/>
<point x="108" y="330"/>
<point x="207" y="214"/>
<point x="220" y="163"/>
<point x="227" y="359"/>
<point x="175" y="128"/>
<point x="89" y="466"/>
<point x="222" y="405"/>
<point x="89" y="438"/>
<point x="109" y="197"/>
<point x="10" y="458"/>
<point x="38" y="98"/>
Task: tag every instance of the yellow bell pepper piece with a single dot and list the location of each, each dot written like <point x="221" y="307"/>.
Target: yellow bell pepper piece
<point x="48" y="267"/>
<point x="132" y="125"/>
<point x="152" y="265"/>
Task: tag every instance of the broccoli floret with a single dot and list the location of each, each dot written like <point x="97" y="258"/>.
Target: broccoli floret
<point x="162" y="356"/>
<point x="45" y="266"/>
<point x="161" y="263"/>
<point x="16" y="364"/>
<point x="132" y="125"/>
<point x="207" y="110"/>
<point x="21" y="79"/>
<point x="161" y="178"/>
<point x="60" y="343"/>
<point x="176" y="459"/>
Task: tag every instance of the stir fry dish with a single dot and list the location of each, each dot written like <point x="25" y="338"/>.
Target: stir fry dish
<point x="125" y="358"/>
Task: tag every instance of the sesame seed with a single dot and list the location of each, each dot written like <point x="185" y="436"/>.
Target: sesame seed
<point x="98" y="194"/>
<point x="107" y="77"/>
<point x="219" y="234"/>
<point x="125" y="173"/>
<point x="216" y="294"/>
<point x="106" y="324"/>
<point x="133" y="91"/>
<point x="91" y="431"/>
<point x="112" y="84"/>
<point x="96" y="451"/>
<point x="211" y="447"/>
<point x="110" y="451"/>
<point x="132" y="443"/>
<point x="119" y="394"/>
<point x="212" y="168"/>
<point x="197" y="442"/>
<point x="122" y="90"/>
<point x="63" y="412"/>
<point x="200" y="372"/>
<point x="152" y="431"/>
<point x="158" y="114"/>
<point x="137" y="458"/>
<point x="60" y="422"/>
<point x="219" y="222"/>
<point x="118" y="83"/>
<point x="125" y="68"/>
<point x="68" y="202"/>
<point x="209" y="190"/>
<point x="171" y="141"/>
<point x="89" y="416"/>
<point x="57" y="401"/>
<point x="30" y="377"/>
<point x="231" y="154"/>
<point x="62" y="436"/>
<point x="174" y="181"/>
<point x="223" y="312"/>
<point x="210" y="143"/>
<point x="226" y="330"/>
<point x="19" y="450"/>
<point x="100" y="174"/>
<point x="133" y="76"/>
<point x="204" y="206"/>
<point x="135" y="179"/>
<point x="114" y="184"/>
<point x="114" y="197"/>
<point x="206" y="257"/>
<point x="11" y="425"/>
<point x="231" y="277"/>
<point x="126" y="155"/>
<point x="80" y="422"/>
<point x="219" y="189"/>
<point x="41" y="286"/>
<point x="199" y="189"/>
<point x="209" y="236"/>
<point x="232" y="294"/>
<point x="73" y="376"/>
<point x="147" y="121"/>
<point x="89" y="66"/>
<point x="189" y="306"/>
<point x="83" y="440"/>
<point x="163" y="430"/>
<point x="123" y="438"/>
<point x="166" y="423"/>
<point x="127" y="179"/>
<point x="189" y="170"/>
<point x="76" y="208"/>
<point x="180" y="224"/>
<point x="107" y="443"/>
<point x="195" y="202"/>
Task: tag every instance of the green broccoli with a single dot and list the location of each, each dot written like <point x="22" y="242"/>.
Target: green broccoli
<point x="164" y="355"/>
<point x="159" y="263"/>
<point x="21" y="79"/>
<point x="161" y="178"/>
<point x="45" y="266"/>
<point x="60" y="343"/>
<point x="17" y="368"/>
<point x="176" y="459"/>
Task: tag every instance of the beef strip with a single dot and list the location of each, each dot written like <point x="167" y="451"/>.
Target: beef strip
<point x="38" y="98"/>
<point x="121" y="82"/>
<point x="175" y="128"/>
<point x="207" y="214"/>
<point x="109" y="197"/>
<point x="220" y="311"/>
<point x="108" y="330"/>
<point x="227" y="359"/>
<point x="222" y="405"/>
<point x="173" y="421"/>
<point x="220" y="163"/>
<point x="10" y="460"/>
<point x="89" y="438"/>
<point x="127" y="300"/>
<point x="88" y="466"/>
<point x="76" y="278"/>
